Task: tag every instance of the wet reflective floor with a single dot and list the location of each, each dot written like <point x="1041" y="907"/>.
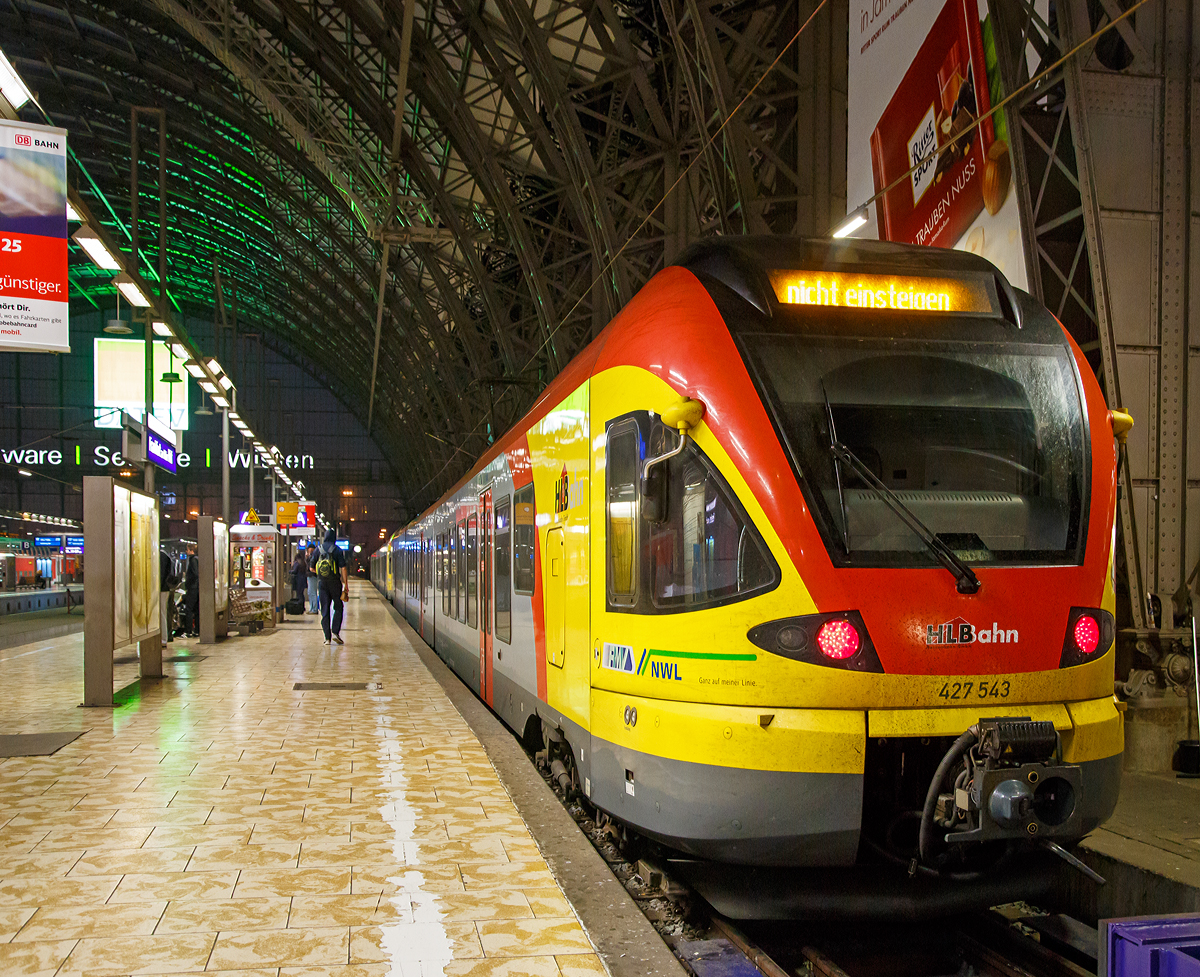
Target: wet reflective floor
<point x="222" y="822"/>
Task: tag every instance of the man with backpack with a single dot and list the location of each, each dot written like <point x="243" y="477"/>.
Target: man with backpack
<point x="333" y="584"/>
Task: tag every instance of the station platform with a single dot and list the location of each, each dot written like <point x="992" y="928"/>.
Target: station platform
<point x="1148" y="852"/>
<point x="222" y="820"/>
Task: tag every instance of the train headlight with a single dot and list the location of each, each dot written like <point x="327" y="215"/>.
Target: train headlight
<point x="838" y="639"/>
<point x="1090" y="633"/>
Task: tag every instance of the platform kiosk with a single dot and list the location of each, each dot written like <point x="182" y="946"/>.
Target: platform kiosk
<point x="254" y="551"/>
<point x="212" y="547"/>
<point x="121" y="603"/>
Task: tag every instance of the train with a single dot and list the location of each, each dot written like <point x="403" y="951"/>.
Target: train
<point x="806" y="561"/>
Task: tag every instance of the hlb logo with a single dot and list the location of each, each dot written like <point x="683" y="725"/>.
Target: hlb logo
<point x="963" y="632"/>
<point x="22" y="140"/>
<point x="561" y="493"/>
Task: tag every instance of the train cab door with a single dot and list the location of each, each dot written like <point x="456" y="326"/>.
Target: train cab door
<point x="485" y="596"/>
<point x="420" y="568"/>
<point x="556" y="598"/>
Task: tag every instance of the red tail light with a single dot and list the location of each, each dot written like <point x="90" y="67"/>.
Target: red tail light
<point x="838" y="639"/>
<point x="1087" y="634"/>
<point x="1090" y="634"/>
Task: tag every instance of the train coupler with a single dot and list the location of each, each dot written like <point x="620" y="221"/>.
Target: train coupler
<point x="1004" y="780"/>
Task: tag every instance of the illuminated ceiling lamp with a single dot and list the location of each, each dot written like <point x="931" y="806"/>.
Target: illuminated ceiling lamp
<point x="101" y="257"/>
<point x="194" y="368"/>
<point x="162" y="329"/>
<point x="11" y="85"/>
<point x="72" y="213"/>
<point x="851" y="224"/>
<point x="133" y="295"/>
<point x="220" y="400"/>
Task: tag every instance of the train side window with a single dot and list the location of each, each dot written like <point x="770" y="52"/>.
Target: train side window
<point x="622" y="457"/>
<point x="703" y="550"/>
<point x="524" y="540"/>
<point x="503" y="553"/>
<point x="453" y="612"/>
<point x="472" y="572"/>
<point x="445" y="581"/>
<point x="463" y="569"/>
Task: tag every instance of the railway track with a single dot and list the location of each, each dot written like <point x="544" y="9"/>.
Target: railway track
<point x="1015" y="940"/>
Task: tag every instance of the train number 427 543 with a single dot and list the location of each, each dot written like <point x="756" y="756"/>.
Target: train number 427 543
<point x="988" y="689"/>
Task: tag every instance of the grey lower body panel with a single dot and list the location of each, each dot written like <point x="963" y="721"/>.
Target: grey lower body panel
<point x="748" y="817"/>
<point x="1101" y="784"/>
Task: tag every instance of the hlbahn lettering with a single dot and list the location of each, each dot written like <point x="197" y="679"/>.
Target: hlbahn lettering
<point x="562" y="493"/>
<point x="960" y="632"/>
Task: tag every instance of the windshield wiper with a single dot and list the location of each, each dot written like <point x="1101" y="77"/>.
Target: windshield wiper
<point x="968" y="583"/>
<point x="837" y="470"/>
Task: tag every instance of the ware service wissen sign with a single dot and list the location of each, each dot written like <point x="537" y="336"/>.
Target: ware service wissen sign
<point x="33" y="238"/>
<point x="922" y="74"/>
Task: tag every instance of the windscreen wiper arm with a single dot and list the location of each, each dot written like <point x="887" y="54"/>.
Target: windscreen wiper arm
<point x="968" y="583"/>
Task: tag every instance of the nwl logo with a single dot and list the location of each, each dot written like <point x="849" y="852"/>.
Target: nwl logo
<point x="667" y="670"/>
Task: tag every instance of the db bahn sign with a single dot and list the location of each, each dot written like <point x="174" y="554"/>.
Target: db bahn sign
<point x="33" y="238"/>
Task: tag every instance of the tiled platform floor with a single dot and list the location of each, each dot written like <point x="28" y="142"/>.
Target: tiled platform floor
<point x="224" y="823"/>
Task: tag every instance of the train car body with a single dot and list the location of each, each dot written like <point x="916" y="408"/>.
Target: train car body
<point x="752" y="654"/>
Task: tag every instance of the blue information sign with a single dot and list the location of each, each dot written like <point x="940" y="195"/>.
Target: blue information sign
<point x="74" y="544"/>
<point x="53" y="542"/>
<point x="160" y="451"/>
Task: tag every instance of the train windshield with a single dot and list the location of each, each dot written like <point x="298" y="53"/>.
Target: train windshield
<point x="982" y="442"/>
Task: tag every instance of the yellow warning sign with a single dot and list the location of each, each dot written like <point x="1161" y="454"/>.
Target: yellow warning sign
<point x="251" y="518"/>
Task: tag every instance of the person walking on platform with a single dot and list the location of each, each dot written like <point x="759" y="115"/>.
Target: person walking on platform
<point x="166" y="583"/>
<point x="191" y="595"/>
<point x="333" y="581"/>
<point x="314" y="598"/>
<point x="299" y="579"/>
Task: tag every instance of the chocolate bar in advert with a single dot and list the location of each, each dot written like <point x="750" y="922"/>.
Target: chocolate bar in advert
<point x="930" y="117"/>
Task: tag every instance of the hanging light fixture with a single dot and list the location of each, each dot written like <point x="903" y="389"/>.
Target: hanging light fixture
<point x="11" y="85"/>
<point x="129" y="288"/>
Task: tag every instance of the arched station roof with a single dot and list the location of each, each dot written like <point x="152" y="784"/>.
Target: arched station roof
<point x="534" y="138"/>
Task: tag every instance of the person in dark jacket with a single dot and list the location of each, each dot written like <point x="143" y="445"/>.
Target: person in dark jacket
<point x="191" y="595"/>
<point x="299" y="576"/>
<point x="166" y="583"/>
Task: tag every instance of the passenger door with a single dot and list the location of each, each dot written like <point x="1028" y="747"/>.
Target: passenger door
<point x="421" y="585"/>
<point x="556" y="598"/>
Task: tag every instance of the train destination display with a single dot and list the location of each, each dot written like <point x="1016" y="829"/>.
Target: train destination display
<point x="970" y="295"/>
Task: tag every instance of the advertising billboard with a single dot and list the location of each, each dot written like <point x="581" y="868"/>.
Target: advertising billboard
<point x="119" y="383"/>
<point x="922" y="74"/>
<point x="33" y="238"/>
